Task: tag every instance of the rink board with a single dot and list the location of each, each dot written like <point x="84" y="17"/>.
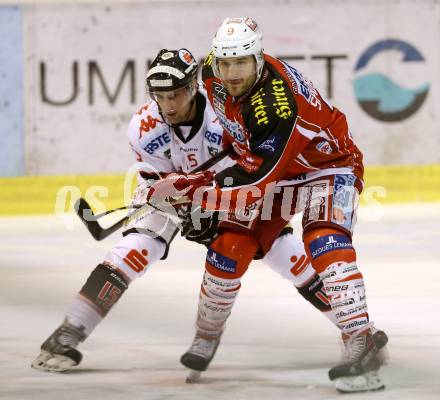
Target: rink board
<point x="84" y="68"/>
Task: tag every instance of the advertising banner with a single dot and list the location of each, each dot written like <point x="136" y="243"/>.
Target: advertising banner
<point x="85" y="66"/>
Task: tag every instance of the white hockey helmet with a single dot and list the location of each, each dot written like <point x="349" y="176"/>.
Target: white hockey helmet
<point x="238" y="37"/>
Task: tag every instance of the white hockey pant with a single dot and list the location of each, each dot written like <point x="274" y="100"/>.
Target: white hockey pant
<point x="288" y="258"/>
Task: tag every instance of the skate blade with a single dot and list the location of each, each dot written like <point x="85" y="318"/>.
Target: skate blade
<point x="370" y="381"/>
<point x="52" y="362"/>
<point x="193" y="377"/>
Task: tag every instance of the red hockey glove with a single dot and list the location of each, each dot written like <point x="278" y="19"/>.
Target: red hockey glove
<point x="178" y="185"/>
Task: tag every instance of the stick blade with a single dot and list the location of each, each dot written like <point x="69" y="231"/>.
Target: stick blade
<point x="85" y="213"/>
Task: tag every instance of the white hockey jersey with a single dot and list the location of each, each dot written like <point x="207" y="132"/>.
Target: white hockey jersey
<point x="163" y="149"/>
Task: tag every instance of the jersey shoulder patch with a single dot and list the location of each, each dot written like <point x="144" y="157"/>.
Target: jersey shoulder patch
<point x="302" y="86"/>
<point x="150" y="119"/>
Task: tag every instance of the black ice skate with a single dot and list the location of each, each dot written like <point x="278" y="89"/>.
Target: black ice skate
<point x="199" y="355"/>
<point x="361" y="361"/>
<point x="58" y="352"/>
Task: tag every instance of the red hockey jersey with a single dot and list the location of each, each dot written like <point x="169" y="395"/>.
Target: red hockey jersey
<point x="282" y="130"/>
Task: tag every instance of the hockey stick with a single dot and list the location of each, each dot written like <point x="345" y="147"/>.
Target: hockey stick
<point x="90" y="220"/>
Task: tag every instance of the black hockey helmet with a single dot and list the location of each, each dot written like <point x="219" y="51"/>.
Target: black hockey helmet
<point x="171" y="69"/>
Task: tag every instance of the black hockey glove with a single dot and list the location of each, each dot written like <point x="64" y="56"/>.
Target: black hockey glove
<point x="197" y="228"/>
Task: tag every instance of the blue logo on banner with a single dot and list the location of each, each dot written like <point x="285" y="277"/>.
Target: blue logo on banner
<point x="387" y="98"/>
<point x="328" y="243"/>
<point x="221" y="262"/>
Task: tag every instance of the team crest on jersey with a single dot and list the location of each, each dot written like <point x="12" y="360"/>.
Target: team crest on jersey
<point x="270" y="144"/>
<point x="213" y="151"/>
<point x="219" y="92"/>
<point x="167" y="154"/>
<point x="324" y="147"/>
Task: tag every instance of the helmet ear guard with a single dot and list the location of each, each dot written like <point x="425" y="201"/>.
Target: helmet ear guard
<point x="238" y="37"/>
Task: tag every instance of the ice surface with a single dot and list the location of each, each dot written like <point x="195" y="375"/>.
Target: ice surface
<point x="276" y="346"/>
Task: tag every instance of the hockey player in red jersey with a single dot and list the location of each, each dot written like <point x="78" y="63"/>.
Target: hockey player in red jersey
<point x="173" y="133"/>
<point x="293" y="151"/>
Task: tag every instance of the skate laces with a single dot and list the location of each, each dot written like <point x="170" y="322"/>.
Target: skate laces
<point x="69" y="336"/>
<point x="66" y="339"/>
<point x="355" y="345"/>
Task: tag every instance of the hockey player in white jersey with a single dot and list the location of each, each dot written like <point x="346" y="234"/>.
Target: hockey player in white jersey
<point x="174" y="132"/>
